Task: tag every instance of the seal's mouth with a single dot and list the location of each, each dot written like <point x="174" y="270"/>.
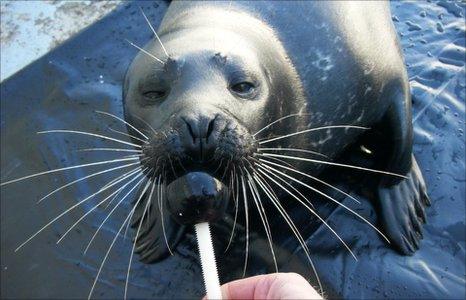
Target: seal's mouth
<point x="197" y="168"/>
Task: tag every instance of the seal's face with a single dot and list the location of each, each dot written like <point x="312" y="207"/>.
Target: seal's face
<point x="200" y="107"/>
<point x="200" y="103"/>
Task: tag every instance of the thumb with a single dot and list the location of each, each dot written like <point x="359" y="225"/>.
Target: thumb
<point x="270" y="286"/>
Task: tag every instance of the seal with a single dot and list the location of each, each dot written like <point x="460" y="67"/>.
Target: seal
<point x="236" y="95"/>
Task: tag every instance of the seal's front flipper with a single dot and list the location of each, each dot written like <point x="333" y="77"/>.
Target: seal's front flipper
<point x="403" y="210"/>
<point x="402" y="201"/>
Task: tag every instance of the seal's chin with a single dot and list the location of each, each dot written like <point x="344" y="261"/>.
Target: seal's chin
<point x="196" y="197"/>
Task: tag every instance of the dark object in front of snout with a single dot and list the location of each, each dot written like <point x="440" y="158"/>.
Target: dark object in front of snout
<point x="196" y="197"/>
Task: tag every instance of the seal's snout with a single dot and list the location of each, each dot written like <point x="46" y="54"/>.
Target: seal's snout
<point x="196" y="197"/>
<point x="194" y="141"/>
<point x="201" y="136"/>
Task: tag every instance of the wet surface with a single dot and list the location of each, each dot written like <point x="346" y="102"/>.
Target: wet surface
<point x="32" y="28"/>
<point x="61" y="91"/>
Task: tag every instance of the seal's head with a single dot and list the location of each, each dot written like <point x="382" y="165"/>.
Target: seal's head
<point x="219" y="77"/>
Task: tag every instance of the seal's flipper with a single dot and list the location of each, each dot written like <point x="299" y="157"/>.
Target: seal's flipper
<point x="403" y="214"/>
<point x="402" y="202"/>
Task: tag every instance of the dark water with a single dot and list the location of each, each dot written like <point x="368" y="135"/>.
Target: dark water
<point x="62" y="89"/>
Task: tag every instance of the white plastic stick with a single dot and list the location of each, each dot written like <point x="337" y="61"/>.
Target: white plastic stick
<point x="209" y="268"/>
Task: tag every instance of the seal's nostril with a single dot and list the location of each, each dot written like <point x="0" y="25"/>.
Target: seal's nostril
<point x="191" y="132"/>
<point x="210" y="128"/>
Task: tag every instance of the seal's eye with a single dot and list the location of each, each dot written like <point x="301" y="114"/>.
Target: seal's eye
<point x="243" y="88"/>
<point x="154" y="95"/>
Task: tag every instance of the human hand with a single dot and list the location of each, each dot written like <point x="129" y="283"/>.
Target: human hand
<point x="270" y="286"/>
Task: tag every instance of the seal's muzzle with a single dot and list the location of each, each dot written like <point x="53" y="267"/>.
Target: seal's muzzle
<point x="196" y="197"/>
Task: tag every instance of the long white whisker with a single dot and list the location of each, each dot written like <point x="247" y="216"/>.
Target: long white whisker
<point x="64" y="213"/>
<point x="155" y="33"/>
<point x="95" y="207"/>
<point x="147" y="124"/>
<point x="310" y="209"/>
<point x="332" y="164"/>
<point x="245" y="198"/>
<point x="293" y="228"/>
<point x="111" y="212"/>
<point x="293" y="150"/>
<point x="328" y="197"/>
<point x="84" y="178"/>
<point x="149" y="182"/>
<point x="312" y="177"/>
<point x="311" y="130"/>
<point x="128" y="135"/>
<point x="263" y="216"/>
<point x="280" y="119"/>
<point x="137" y="235"/>
<point x="68" y="168"/>
<point x="161" y="216"/>
<point x="109" y="149"/>
<point x="145" y="52"/>
<point x="236" y="198"/>
<point x="117" y="178"/>
<point x="89" y="134"/>
<point x="293" y="188"/>
<point x="120" y="119"/>
<point x="109" y="249"/>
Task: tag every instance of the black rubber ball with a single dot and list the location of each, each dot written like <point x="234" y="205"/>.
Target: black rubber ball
<point x="196" y="197"/>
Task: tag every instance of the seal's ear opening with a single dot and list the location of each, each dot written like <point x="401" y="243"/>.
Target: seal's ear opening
<point x="196" y="197"/>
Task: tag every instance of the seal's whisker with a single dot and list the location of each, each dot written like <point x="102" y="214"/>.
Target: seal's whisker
<point x="135" y="170"/>
<point x="219" y="166"/>
<point x="150" y="197"/>
<point x="296" y="190"/>
<point x="113" y="209"/>
<point x="160" y="200"/>
<point x="328" y="197"/>
<point x="145" y="52"/>
<point x="113" y="199"/>
<point x="311" y="130"/>
<point x="145" y="123"/>
<point x="226" y="168"/>
<point x="267" y="184"/>
<point x="110" y="248"/>
<point x="246" y="216"/>
<point x="278" y="120"/>
<point x="109" y="149"/>
<point x="95" y="207"/>
<point x="235" y="189"/>
<point x="155" y="33"/>
<point x="120" y="119"/>
<point x="117" y="178"/>
<point x="89" y="134"/>
<point x="128" y="135"/>
<point x="84" y="178"/>
<point x="134" y="155"/>
<point x="281" y="161"/>
<point x="68" y="168"/>
<point x="137" y="235"/>
<point x="313" y="178"/>
<point x="262" y="215"/>
<point x="181" y="164"/>
<point x="306" y="206"/>
<point x="171" y="165"/>
<point x="293" y="228"/>
<point x="293" y="150"/>
<point x="64" y="213"/>
<point x="332" y="164"/>
<point x="149" y="182"/>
